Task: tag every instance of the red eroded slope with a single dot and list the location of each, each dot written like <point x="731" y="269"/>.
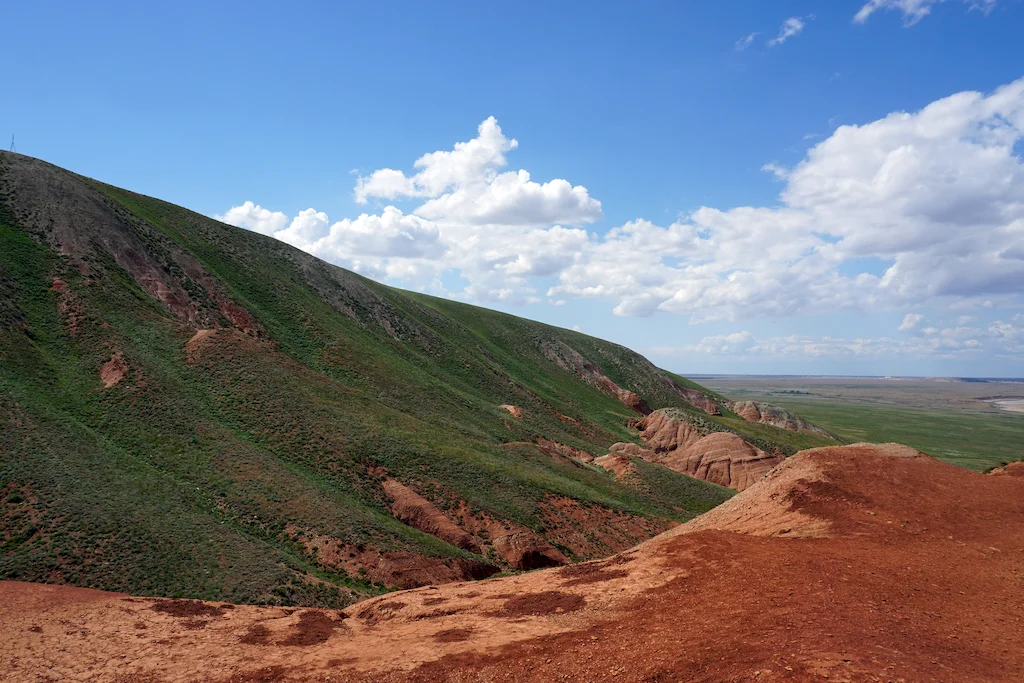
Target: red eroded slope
<point x="719" y="457"/>
<point x="859" y="563"/>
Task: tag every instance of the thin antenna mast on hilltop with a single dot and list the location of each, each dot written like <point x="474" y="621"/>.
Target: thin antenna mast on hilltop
<point x="13" y="148"/>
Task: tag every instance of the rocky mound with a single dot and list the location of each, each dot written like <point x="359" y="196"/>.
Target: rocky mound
<point x="723" y="458"/>
<point x="619" y="465"/>
<point x="719" y="457"/>
<point x="894" y="567"/>
<point x="754" y="411"/>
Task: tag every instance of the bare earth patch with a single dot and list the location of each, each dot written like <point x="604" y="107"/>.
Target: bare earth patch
<point x="855" y="563"/>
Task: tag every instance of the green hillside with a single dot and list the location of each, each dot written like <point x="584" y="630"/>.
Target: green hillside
<point x="192" y="409"/>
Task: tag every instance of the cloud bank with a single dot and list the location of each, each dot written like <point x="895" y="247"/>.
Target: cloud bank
<point x="998" y="339"/>
<point x="914" y="210"/>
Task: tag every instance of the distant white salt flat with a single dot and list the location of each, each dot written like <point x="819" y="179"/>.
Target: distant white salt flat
<point x="1013" y="405"/>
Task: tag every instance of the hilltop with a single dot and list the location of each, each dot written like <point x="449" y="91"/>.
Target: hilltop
<point x="854" y="563"/>
<point x="192" y="410"/>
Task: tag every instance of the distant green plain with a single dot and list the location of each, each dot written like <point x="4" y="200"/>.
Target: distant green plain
<point x="976" y="440"/>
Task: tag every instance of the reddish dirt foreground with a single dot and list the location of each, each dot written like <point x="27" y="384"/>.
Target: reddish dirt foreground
<point x="859" y="563"/>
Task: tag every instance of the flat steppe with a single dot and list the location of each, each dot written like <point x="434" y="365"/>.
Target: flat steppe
<point x="968" y="423"/>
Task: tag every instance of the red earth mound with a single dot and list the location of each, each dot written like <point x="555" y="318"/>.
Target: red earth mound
<point x="619" y="465"/>
<point x="113" y="370"/>
<point x="753" y="411"/>
<point x="856" y="563"/>
<point x="420" y="513"/>
<point x="720" y="457"/>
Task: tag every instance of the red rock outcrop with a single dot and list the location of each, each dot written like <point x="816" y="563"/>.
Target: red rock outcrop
<point x="664" y="433"/>
<point x="747" y="410"/>
<point x="754" y="411"/>
<point x="628" y="398"/>
<point x="619" y="465"/>
<point x="413" y="509"/>
<point x="397" y="568"/>
<point x="522" y="548"/>
<point x="563" y="452"/>
<point x="700" y="400"/>
<point x="720" y="457"/>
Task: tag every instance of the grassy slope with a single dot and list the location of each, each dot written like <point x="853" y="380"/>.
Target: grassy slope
<point x="190" y="476"/>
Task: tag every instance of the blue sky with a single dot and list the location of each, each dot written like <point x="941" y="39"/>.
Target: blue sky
<point x="722" y="186"/>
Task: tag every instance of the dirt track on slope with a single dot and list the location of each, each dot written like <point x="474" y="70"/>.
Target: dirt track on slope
<point x="886" y="567"/>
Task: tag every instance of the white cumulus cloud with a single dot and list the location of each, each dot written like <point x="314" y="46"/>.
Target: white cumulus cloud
<point x="498" y="229"/>
<point x="915" y="210"/>
<point x="309" y="226"/>
<point x="254" y="217"/>
<point x="911" y="322"/>
<point x="912" y="208"/>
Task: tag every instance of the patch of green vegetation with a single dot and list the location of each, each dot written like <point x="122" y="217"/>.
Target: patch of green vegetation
<point x="976" y="441"/>
<point x="692" y="495"/>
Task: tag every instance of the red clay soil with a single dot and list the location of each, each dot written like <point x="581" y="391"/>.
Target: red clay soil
<point x="855" y="563"/>
<point x="419" y="513"/>
<point x="619" y="465"/>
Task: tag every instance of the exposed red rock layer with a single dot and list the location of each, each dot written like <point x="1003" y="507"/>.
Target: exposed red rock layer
<point x="619" y="465"/>
<point x="563" y="452"/>
<point x="519" y="547"/>
<point x="399" y="568"/>
<point x="419" y="513"/>
<point x="896" y="567"/>
<point x="663" y="433"/>
<point x="700" y="400"/>
<point x="720" y="457"/>
<point x="753" y="411"/>
<point x="632" y="450"/>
